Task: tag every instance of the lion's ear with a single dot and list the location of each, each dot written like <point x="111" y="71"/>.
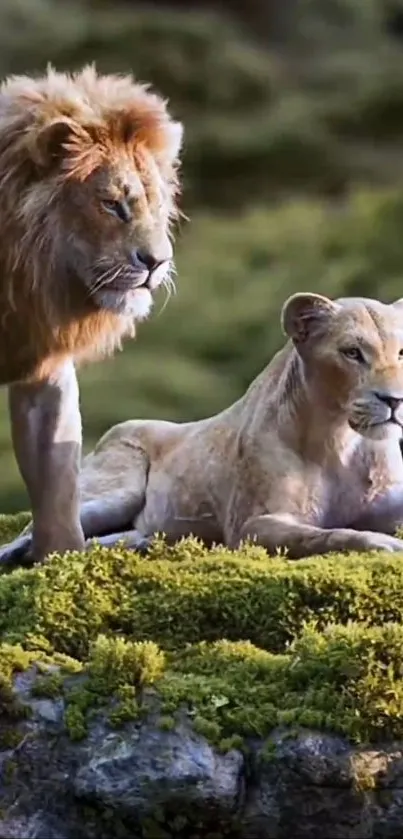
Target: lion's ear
<point x="50" y="144"/>
<point x="306" y="315"/>
<point x="398" y="303"/>
<point x="174" y="140"/>
<point x="168" y="144"/>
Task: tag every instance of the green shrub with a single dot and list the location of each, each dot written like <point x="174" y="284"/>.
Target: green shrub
<point x="240" y="642"/>
<point x="187" y="593"/>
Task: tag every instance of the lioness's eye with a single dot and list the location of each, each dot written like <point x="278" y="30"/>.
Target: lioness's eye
<point x="401" y="355"/>
<point x="353" y="353"/>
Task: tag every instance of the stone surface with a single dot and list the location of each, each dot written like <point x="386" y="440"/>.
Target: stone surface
<point x="141" y="781"/>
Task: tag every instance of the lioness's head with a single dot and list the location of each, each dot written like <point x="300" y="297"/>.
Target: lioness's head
<point x="94" y="158"/>
<point x="352" y="352"/>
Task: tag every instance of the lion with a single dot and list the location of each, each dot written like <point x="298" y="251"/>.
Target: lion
<point x="89" y="184"/>
<point x="306" y="462"/>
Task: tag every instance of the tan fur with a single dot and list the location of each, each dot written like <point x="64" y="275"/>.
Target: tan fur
<point x="307" y="461"/>
<point x="60" y="135"/>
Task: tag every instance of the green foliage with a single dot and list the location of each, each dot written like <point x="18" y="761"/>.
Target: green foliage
<point x="75" y="721"/>
<point x="115" y="662"/>
<point x="49" y="685"/>
<point x="346" y="679"/>
<point x="323" y="648"/>
<point x="261" y="117"/>
<point x="126" y="707"/>
<point x="187" y="593"/>
<point x="117" y="671"/>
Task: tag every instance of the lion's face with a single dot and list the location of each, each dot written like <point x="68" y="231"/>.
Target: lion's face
<point x="94" y="161"/>
<point x="119" y="246"/>
<point x="352" y="350"/>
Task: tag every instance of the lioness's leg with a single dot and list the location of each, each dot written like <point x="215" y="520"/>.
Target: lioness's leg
<point x="132" y="539"/>
<point x="275" y="532"/>
<point x="385" y="513"/>
<point x="46" y="433"/>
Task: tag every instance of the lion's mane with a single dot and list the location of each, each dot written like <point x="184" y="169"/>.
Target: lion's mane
<point x="55" y="130"/>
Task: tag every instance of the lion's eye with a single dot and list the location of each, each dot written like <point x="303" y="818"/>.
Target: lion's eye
<point x="400" y="355"/>
<point x="353" y="353"/>
<point x="110" y="205"/>
<point x="120" y="209"/>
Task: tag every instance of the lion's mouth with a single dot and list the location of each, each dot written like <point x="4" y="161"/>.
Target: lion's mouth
<point x="126" y="283"/>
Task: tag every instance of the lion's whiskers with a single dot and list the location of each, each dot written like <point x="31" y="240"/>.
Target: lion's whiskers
<point x="107" y="277"/>
<point x="170" y="288"/>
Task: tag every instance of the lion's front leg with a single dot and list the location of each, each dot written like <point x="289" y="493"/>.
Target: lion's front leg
<point x="107" y="519"/>
<point x="46" y="432"/>
<point x="297" y="540"/>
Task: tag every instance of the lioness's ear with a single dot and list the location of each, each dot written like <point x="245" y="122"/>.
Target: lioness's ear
<point x="50" y="143"/>
<point x="304" y="315"/>
<point x="398" y="303"/>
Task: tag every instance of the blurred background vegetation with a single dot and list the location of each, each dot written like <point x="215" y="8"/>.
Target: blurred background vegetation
<point x="293" y="177"/>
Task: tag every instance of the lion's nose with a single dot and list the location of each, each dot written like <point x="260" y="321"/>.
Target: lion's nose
<point x="393" y="402"/>
<point x="149" y="260"/>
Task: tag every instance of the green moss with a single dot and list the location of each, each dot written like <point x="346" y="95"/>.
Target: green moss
<point x="10" y="738"/>
<point x="50" y="686"/>
<point x="343" y="679"/>
<point x="268" y="752"/>
<point x="228" y="743"/>
<point x="13" y="659"/>
<point x="208" y="728"/>
<point x="75" y="721"/>
<point x="127" y="706"/>
<point x="11" y="526"/>
<point x="323" y="650"/>
<point x="166" y="723"/>
<point x="185" y="594"/>
<point x="115" y="662"/>
<point x="117" y="670"/>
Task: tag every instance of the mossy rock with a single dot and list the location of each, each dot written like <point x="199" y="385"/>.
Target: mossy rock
<point x="242" y="641"/>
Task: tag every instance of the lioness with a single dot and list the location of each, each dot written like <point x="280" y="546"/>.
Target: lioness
<point x="308" y="460"/>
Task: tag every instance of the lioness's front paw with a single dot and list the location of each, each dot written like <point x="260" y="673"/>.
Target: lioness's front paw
<point x="18" y="551"/>
<point x="382" y="542"/>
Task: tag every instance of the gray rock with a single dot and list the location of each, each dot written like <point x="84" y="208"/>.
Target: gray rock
<point x="313" y="785"/>
<point x="140" y="781"/>
<point x="148" y="768"/>
<point x="38" y="826"/>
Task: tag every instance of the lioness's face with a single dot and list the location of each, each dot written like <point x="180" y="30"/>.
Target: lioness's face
<point x="120" y="247"/>
<point x="353" y="351"/>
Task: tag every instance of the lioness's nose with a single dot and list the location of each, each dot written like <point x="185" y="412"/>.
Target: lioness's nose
<point x="393" y="402"/>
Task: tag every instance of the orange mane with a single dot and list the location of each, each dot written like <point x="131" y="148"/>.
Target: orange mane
<point x="56" y="128"/>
